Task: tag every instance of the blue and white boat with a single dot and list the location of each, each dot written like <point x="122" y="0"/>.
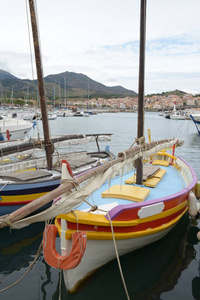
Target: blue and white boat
<point x="196" y="119"/>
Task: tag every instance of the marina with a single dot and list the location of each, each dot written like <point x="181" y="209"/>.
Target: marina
<point x="184" y="254"/>
<point x="89" y="214"/>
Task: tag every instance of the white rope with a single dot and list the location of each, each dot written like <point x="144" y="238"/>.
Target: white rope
<point x="4" y="186"/>
<point x="60" y="285"/>
<point x="117" y="255"/>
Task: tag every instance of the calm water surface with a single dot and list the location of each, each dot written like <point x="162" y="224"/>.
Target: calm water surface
<point x="167" y="269"/>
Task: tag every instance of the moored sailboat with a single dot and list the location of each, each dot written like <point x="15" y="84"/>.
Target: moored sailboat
<point x="122" y="206"/>
<point x="23" y="182"/>
<point x="116" y="208"/>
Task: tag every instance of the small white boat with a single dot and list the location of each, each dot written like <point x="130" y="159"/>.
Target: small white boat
<point x="176" y="114"/>
<point x="81" y="114"/>
<point x="13" y="128"/>
<point x="65" y="113"/>
<point x="167" y="114"/>
<point x="30" y="116"/>
<point x="51" y="116"/>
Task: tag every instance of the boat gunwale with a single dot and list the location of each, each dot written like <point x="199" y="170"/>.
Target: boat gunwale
<point x="114" y="212"/>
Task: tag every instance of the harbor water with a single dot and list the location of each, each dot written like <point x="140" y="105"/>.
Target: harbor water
<point x="167" y="269"/>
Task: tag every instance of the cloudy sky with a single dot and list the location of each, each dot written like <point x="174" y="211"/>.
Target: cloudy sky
<point x="100" y="38"/>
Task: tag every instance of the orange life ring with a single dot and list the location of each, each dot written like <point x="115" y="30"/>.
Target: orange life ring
<point x="53" y="258"/>
<point x="68" y="167"/>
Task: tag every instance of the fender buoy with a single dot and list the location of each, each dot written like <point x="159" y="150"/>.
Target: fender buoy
<point x="193" y="205"/>
<point x="53" y="258"/>
<point x="68" y="168"/>
<point x="197" y="189"/>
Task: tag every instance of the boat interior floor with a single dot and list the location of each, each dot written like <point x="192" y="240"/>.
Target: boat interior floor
<point x="116" y="192"/>
<point x="26" y="175"/>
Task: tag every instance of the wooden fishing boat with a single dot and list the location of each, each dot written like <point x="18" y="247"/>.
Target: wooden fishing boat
<point x="136" y="201"/>
<point x="120" y="216"/>
<point x="118" y="207"/>
<point x="24" y="180"/>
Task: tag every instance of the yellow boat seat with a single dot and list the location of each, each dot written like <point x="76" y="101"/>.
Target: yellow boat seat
<point x="127" y="192"/>
<point x="160" y="173"/>
<point x="150" y="182"/>
<point x="164" y="163"/>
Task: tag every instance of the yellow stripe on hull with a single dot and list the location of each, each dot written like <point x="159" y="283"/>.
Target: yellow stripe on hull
<point x="20" y="198"/>
<point x="100" y="220"/>
<point x="107" y="235"/>
<point x="93" y="235"/>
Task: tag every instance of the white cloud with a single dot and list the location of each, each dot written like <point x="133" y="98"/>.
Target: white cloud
<point x="100" y="38"/>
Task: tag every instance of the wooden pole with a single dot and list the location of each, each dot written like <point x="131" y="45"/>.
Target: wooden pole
<point x="38" y="60"/>
<point x="140" y="132"/>
<point x="31" y="207"/>
<point x="40" y="144"/>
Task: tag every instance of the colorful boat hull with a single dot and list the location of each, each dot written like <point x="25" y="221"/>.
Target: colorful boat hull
<point x="15" y="195"/>
<point x="131" y="226"/>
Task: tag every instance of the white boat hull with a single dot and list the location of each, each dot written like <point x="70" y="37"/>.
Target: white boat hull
<point x="100" y="252"/>
<point x="14" y="129"/>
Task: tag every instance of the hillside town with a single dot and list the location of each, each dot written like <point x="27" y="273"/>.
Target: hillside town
<point x="152" y="103"/>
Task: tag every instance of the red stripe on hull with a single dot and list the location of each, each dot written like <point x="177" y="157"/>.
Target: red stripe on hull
<point x="142" y="226"/>
<point x="15" y="203"/>
<point x="128" y="214"/>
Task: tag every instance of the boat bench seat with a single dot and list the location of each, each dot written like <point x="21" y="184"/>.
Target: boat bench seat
<point x="77" y="163"/>
<point x="160" y="162"/>
<point x="127" y="192"/>
<point x="150" y="182"/>
<point x="26" y="175"/>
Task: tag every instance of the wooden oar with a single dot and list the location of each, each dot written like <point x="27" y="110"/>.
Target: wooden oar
<point x="40" y="144"/>
<point x="66" y="186"/>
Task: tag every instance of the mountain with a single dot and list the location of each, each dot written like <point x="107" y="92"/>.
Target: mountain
<point x="6" y="75"/>
<point x="81" y="84"/>
<point x="72" y="84"/>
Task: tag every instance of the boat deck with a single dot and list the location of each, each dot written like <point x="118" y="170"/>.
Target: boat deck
<point x="173" y="183"/>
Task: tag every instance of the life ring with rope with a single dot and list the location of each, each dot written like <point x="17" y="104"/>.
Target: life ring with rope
<point x="53" y="258"/>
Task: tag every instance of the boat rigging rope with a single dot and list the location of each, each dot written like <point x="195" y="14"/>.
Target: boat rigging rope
<point x="117" y="255"/>
<point x="93" y="208"/>
<point x="4" y="185"/>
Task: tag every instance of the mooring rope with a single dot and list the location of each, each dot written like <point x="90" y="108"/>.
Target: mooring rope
<point x="118" y="260"/>
<point x="115" y="246"/>
<point x="29" y="269"/>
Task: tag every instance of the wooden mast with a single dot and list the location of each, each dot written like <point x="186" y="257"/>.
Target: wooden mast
<point x="48" y="146"/>
<point x="140" y="132"/>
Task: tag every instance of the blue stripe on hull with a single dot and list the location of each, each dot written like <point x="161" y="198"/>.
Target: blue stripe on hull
<point x="29" y="188"/>
<point x="8" y="209"/>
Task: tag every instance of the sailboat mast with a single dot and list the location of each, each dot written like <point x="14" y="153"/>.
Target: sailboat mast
<point x="140" y="132"/>
<point x="48" y="146"/>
